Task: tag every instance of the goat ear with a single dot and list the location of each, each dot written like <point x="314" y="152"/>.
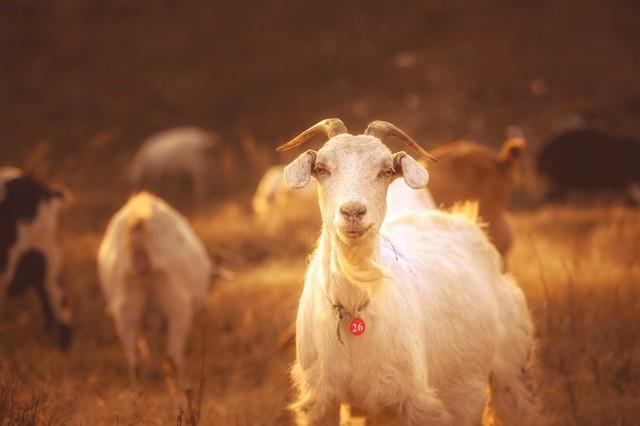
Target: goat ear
<point x="511" y="151"/>
<point x="297" y="174"/>
<point x="414" y="174"/>
<point x="62" y="195"/>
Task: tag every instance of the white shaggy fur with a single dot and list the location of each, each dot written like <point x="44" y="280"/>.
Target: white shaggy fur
<point x="402" y="199"/>
<point x="150" y="261"/>
<point x="442" y="323"/>
<point x="164" y="158"/>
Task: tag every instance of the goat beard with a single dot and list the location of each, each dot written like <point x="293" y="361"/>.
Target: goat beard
<point x="359" y="264"/>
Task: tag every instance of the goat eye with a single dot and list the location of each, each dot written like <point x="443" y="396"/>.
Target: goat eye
<point x="386" y="173"/>
<point x="320" y="171"/>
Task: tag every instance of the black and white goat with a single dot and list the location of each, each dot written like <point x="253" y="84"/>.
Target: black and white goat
<point x="30" y="255"/>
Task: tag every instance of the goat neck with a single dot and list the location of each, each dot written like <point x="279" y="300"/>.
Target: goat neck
<point x="353" y="271"/>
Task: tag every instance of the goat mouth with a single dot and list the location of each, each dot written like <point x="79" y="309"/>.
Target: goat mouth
<point x="354" y="234"/>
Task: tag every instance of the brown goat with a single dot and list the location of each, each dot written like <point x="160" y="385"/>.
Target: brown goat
<point x="470" y="171"/>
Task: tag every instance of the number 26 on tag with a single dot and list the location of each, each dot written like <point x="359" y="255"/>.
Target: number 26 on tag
<point x="357" y="326"/>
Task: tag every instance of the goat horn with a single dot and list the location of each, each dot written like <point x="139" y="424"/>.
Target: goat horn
<point x="382" y="129"/>
<point x="329" y="127"/>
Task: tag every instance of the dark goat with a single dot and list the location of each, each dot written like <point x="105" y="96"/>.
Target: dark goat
<point x="589" y="160"/>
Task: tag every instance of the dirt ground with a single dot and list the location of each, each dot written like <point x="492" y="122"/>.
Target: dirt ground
<point x="81" y="84"/>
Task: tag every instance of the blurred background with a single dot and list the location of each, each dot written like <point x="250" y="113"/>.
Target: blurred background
<point x="83" y="84"/>
<point x="94" y="80"/>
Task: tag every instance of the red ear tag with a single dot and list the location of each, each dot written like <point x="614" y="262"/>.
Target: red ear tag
<point x="356" y="326"/>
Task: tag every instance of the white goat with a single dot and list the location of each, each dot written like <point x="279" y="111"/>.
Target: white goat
<point x="150" y="261"/>
<point x="169" y="156"/>
<point x="276" y="204"/>
<point x="411" y="317"/>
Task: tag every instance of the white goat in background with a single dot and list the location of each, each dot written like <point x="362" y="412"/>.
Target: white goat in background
<point x="275" y="204"/>
<point x="167" y="158"/>
<point x="410" y="317"/>
<point x="151" y="262"/>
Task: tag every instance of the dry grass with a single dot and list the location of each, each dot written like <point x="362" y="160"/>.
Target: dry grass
<point x="578" y="267"/>
<point x="580" y="270"/>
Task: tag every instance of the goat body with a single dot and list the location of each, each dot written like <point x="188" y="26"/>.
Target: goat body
<point x="442" y="320"/>
<point x="166" y="157"/>
<point x="590" y="161"/>
<point x="275" y="205"/>
<point x="30" y="255"/>
<point x="151" y="260"/>
<point x="468" y="171"/>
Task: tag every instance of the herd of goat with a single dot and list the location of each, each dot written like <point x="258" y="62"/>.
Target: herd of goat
<point x="407" y="308"/>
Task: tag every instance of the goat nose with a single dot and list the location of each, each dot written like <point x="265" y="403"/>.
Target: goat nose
<point x="353" y="210"/>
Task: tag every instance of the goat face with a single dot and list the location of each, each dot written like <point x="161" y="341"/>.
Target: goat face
<point x="353" y="174"/>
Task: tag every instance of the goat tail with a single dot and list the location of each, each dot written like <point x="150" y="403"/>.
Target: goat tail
<point x="137" y="241"/>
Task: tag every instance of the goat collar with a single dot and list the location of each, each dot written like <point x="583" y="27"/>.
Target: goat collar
<point x="341" y="313"/>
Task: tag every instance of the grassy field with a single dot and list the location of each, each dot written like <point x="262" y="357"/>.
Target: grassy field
<point x="578" y="266"/>
<point x="84" y="83"/>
